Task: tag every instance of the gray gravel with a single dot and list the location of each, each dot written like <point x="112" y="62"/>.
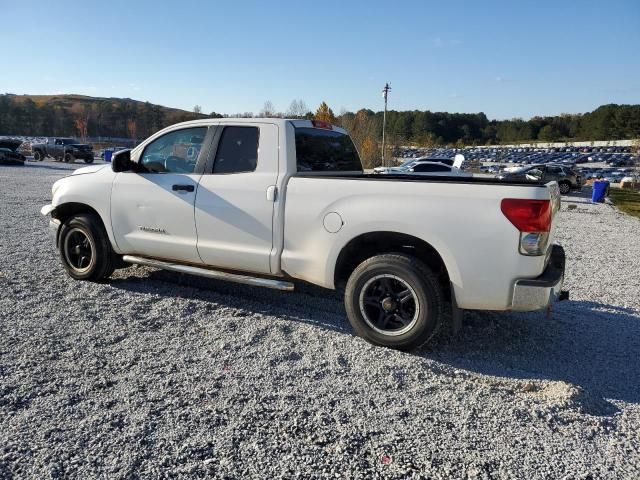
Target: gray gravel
<point x="154" y="374"/>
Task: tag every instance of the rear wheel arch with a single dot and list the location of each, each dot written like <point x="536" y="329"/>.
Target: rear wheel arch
<point x="370" y="244"/>
<point x="565" y="186"/>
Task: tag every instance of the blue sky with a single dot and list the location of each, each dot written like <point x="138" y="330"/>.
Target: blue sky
<point x="505" y="58"/>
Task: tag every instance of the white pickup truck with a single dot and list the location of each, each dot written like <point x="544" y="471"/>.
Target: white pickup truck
<point x="267" y="201"/>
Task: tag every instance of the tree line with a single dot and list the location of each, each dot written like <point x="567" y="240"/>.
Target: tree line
<point x="86" y="117"/>
<point x="126" y="118"/>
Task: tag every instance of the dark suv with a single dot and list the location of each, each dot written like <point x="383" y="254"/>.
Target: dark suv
<point x="567" y="178"/>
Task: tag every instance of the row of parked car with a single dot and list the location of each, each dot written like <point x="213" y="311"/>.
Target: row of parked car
<point x="612" y="175"/>
<point x="614" y="156"/>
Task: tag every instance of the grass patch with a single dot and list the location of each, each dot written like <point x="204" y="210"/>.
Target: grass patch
<point x="626" y="201"/>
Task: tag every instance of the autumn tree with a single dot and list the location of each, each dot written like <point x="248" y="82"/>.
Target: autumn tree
<point x="81" y="126"/>
<point x="325" y="114"/>
<point x="369" y="152"/>
<point x="364" y="128"/>
<point x="132" y="128"/>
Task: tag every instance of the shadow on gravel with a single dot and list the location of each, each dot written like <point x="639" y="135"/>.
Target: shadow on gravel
<point x="309" y="303"/>
<point x="68" y="168"/>
<point x="591" y="345"/>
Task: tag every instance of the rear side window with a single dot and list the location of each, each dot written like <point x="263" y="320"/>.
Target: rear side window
<point x="237" y="150"/>
<point x="425" y="167"/>
<point x="319" y="150"/>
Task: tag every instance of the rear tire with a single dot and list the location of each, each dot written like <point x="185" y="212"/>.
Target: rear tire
<point x="85" y="248"/>
<point x="395" y="301"/>
<point x="68" y="158"/>
<point x="88" y="160"/>
<point x="37" y="156"/>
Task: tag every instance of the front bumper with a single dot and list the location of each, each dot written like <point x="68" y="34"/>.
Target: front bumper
<point x="82" y="155"/>
<point x="54" y="227"/>
<point x="538" y="293"/>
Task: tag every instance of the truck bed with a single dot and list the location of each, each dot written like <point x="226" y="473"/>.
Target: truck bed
<point x="421" y="178"/>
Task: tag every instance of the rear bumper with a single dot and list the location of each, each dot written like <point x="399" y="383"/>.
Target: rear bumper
<point x="538" y="293"/>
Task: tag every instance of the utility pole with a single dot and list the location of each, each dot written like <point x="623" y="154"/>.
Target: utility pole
<point x="385" y="93"/>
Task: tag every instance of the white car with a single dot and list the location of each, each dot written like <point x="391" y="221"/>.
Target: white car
<point x="268" y="201"/>
<point x="427" y="166"/>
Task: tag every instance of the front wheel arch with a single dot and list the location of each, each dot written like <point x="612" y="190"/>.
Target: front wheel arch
<point x="65" y="211"/>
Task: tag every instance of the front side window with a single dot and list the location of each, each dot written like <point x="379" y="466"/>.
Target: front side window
<point x="237" y="150"/>
<point x="534" y="174"/>
<point x="174" y="152"/>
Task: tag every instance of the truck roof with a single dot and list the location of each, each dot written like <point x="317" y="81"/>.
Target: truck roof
<point x="298" y="123"/>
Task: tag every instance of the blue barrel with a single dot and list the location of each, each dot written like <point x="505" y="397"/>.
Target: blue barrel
<point x="600" y="188"/>
<point x="107" y="155"/>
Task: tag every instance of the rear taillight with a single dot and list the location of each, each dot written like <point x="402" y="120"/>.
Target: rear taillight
<point x="528" y="215"/>
<point x="532" y="218"/>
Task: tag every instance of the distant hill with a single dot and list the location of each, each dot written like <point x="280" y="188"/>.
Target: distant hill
<point x="124" y="118"/>
<point x="81" y="115"/>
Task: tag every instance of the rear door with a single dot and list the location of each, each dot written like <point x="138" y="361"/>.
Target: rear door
<point x="56" y="148"/>
<point x="235" y="200"/>
<point x="552" y="173"/>
<point x="152" y="212"/>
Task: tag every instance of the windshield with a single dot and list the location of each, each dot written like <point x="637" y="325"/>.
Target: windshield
<point x="520" y="169"/>
<point x="69" y="141"/>
<point x="408" y="164"/>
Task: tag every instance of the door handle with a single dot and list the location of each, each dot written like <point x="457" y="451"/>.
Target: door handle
<point x="186" y="188"/>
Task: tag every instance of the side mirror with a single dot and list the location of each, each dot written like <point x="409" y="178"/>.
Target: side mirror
<point x="121" y="161"/>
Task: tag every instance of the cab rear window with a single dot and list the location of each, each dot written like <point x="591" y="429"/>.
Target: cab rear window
<point x="320" y="150"/>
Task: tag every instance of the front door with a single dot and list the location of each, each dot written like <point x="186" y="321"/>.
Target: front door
<point x="235" y="200"/>
<point x="152" y="212"/>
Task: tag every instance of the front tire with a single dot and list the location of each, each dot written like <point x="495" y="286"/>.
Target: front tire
<point x="565" y="187"/>
<point x="85" y="248"/>
<point x="37" y="156"/>
<point x="395" y="301"/>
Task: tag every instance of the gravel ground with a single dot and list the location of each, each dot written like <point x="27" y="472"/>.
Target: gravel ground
<point x="155" y="374"/>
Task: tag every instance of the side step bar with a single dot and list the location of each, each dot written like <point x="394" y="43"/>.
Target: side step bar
<point x="215" y="274"/>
